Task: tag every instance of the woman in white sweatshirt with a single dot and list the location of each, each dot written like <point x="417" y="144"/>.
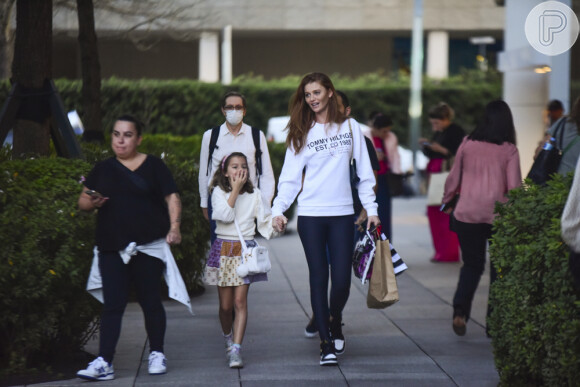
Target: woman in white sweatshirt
<point x="320" y="144"/>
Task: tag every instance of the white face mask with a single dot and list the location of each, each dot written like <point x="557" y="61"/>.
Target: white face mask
<point x="234" y="117"/>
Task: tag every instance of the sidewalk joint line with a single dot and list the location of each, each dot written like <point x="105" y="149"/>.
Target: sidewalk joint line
<point x="141" y="361"/>
<point x="383" y="312"/>
<point x="273" y="254"/>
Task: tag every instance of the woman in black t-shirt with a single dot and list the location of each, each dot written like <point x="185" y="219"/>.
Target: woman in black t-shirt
<point x="137" y="202"/>
<point x="442" y="147"/>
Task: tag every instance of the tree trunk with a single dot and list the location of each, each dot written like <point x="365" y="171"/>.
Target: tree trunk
<point x="6" y="38"/>
<point x="91" y="72"/>
<point x="31" y="69"/>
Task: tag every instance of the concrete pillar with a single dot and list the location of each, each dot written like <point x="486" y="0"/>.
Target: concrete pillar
<point x="525" y="91"/>
<point x="227" y="55"/>
<point x="559" y="80"/>
<point x="438" y="54"/>
<point x="209" y="64"/>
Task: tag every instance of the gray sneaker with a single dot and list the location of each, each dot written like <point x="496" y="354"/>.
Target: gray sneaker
<point x="235" y="358"/>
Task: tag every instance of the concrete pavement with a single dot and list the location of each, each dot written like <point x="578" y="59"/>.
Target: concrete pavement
<point x="408" y="344"/>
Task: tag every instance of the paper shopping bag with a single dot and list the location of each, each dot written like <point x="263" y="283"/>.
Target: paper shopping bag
<point x="436" y="188"/>
<point x="383" y="284"/>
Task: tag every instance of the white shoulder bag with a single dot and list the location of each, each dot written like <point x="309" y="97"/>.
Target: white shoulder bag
<point x="255" y="260"/>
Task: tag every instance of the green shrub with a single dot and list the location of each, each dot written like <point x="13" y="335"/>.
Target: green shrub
<point x="535" y="322"/>
<point x="47" y="248"/>
<point x="44" y="261"/>
<point x="187" y="107"/>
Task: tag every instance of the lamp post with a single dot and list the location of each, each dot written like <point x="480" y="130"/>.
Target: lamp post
<point x="415" y="104"/>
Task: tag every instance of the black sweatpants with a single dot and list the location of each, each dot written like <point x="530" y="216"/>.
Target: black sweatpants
<point x="316" y="233"/>
<point x="473" y="239"/>
<point x="145" y="272"/>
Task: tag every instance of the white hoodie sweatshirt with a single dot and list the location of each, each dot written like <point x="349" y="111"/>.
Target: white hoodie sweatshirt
<point x="326" y="190"/>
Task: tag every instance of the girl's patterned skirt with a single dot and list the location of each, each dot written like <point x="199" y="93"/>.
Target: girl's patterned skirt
<point x="224" y="257"/>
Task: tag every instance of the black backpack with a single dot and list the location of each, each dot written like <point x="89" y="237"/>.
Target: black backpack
<point x="255" y="136"/>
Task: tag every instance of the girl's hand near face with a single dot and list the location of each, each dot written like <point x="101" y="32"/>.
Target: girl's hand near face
<point x="237" y="174"/>
<point x="238" y="179"/>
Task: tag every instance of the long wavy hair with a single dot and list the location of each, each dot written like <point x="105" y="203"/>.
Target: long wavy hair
<point x="497" y="124"/>
<point x="221" y="180"/>
<point x="301" y="115"/>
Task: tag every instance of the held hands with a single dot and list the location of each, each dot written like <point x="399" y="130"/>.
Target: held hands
<point x="279" y="223"/>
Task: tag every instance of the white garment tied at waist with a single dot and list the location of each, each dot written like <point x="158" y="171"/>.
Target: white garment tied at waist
<point x="158" y="249"/>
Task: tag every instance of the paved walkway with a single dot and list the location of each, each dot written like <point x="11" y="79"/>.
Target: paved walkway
<point x="408" y="344"/>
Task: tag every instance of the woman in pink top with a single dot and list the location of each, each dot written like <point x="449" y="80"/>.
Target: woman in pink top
<point x="486" y="167"/>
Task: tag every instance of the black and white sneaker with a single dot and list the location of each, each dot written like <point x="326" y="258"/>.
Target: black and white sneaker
<point x="327" y="355"/>
<point x="337" y="336"/>
<point x="311" y="331"/>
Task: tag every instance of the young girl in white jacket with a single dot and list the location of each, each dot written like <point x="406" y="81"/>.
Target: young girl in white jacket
<point x="234" y="197"/>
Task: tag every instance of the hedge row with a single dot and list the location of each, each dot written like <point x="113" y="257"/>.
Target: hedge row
<point x="187" y="107"/>
<point x="535" y="322"/>
<point x="44" y="262"/>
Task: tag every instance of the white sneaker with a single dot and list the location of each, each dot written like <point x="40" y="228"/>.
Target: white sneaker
<point x="157" y="363"/>
<point x="98" y="369"/>
<point x="235" y="358"/>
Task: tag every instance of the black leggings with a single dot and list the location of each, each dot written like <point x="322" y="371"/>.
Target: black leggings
<point x="145" y="272"/>
<point x="473" y="238"/>
<point x="316" y="233"/>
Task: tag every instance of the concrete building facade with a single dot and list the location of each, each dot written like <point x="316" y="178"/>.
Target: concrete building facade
<point x="274" y="38"/>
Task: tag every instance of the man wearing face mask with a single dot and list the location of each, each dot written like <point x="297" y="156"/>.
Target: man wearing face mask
<point x="233" y="136"/>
